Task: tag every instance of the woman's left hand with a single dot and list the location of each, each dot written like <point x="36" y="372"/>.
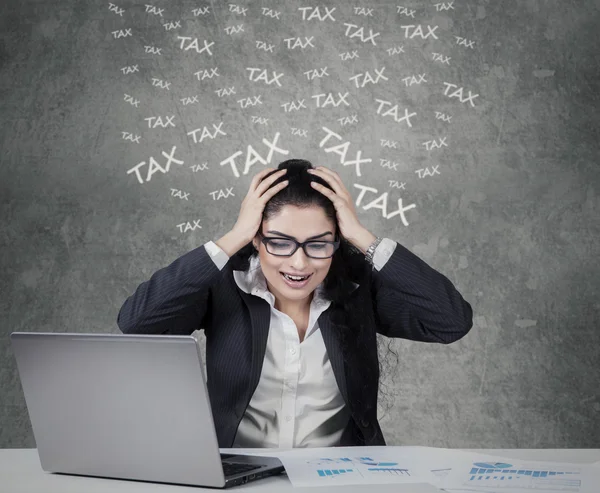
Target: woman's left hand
<point x="350" y="227"/>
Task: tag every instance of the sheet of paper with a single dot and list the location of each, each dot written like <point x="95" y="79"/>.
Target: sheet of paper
<point x="355" y="465"/>
<point x="488" y="473"/>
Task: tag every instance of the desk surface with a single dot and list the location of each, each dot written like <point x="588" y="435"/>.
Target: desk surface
<point x="20" y="472"/>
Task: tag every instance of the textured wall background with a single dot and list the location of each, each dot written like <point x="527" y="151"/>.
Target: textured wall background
<point x="508" y="207"/>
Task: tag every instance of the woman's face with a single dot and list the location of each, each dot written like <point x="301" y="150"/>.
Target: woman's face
<point x="301" y="225"/>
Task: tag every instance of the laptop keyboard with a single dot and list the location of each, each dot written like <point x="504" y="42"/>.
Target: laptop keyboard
<point x="232" y="468"/>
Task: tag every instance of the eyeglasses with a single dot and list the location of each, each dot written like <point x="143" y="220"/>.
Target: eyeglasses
<point x="286" y="247"/>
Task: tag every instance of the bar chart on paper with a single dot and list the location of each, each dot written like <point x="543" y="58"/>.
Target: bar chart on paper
<point x="304" y="470"/>
<point x="360" y="466"/>
<point x="504" y="475"/>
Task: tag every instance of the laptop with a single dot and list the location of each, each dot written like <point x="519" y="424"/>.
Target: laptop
<point x="126" y="406"/>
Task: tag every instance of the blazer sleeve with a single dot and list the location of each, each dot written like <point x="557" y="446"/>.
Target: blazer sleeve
<point x="175" y="299"/>
<point x="412" y="300"/>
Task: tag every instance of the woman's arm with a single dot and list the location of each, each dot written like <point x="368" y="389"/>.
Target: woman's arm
<point x="175" y="299"/>
<point x="414" y="301"/>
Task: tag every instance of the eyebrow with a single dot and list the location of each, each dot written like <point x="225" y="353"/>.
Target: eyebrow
<point x="293" y="238"/>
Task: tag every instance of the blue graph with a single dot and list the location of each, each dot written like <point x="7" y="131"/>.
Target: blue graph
<point x="332" y="472"/>
<point x="500" y="474"/>
<point x="390" y="470"/>
<point x="350" y="465"/>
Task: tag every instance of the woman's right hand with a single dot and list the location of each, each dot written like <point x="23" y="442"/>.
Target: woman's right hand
<point x="259" y="193"/>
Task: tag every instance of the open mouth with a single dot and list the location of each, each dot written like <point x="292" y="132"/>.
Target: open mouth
<point x="295" y="281"/>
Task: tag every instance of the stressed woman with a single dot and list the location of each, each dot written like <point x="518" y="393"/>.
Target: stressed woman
<point x="291" y="301"/>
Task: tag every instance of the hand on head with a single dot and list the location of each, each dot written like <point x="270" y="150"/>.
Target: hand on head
<point x="259" y="193"/>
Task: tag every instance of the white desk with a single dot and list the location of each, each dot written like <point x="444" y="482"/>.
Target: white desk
<point x="20" y="472"/>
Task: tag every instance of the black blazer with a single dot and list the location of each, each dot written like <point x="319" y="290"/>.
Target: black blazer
<point x="407" y="298"/>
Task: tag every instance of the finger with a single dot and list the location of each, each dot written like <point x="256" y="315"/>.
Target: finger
<point x="262" y="173"/>
<point x="337" y="186"/>
<point x="331" y="195"/>
<point x="258" y="177"/>
<point x="268" y="181"/>
<point x="265" y="197"/>
<point x="332" y="174"/>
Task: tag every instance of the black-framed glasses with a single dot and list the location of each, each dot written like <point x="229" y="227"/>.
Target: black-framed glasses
<point x="286" y="247"/>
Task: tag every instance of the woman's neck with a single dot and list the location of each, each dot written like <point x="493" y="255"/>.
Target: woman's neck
<point x="294" y="308"/>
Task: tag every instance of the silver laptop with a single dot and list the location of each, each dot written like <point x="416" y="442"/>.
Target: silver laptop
<point x="128" y="407"/>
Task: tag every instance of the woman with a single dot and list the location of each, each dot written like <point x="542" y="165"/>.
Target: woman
<point x="291" y="300"/>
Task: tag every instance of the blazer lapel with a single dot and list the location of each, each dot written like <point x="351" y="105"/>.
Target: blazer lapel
<point x="334" y="351"/>
<point x="260" y="318"/>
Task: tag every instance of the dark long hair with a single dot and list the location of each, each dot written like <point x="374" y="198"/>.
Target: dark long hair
<point x="348" y="266"/>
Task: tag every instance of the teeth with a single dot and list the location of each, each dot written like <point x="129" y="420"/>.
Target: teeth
<point x="294" y="278"/>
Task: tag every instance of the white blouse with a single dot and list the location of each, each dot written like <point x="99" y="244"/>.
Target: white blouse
<point x="297" y="402"/>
